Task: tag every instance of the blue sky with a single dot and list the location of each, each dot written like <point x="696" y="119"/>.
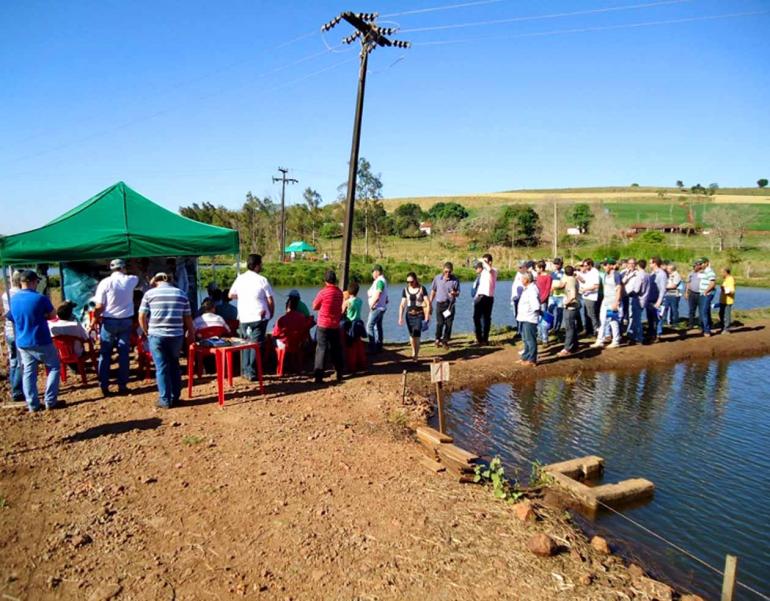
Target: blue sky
<point x="200" y="101"/>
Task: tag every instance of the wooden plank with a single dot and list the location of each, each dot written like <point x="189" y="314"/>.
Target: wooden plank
<point x="728" y="584"/>
<point x="432" y="434"/>
<point x="433" y="466"/>
<point x="459" y="467"/>
<point x="457" y="453"/>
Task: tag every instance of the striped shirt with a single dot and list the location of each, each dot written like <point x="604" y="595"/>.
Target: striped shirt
<point x="707" y="277"/>
<point x="167" y="306"/>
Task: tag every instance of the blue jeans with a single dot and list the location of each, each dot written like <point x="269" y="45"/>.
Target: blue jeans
<point x="374" y="329"/>
<point x="114" y="332"/>
<point x="635" y="326"/>
<point x="15" y="373"/>
<point x="254" y="331"/>
<point x="671" y="308"/>
<point x="31" y="357"/>
<point x="528" y="332"/>
<point x="654" y="322"/>
<point x="556" y="308"/>
<point x="165" y="353"/>
<point x="542" y="326"/>
<point x="704" y="308"/>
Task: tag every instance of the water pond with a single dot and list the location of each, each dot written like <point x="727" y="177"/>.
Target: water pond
<point x="699" y="431"/>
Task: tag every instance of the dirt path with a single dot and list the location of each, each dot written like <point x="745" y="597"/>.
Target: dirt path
<point x="301" y="494"/>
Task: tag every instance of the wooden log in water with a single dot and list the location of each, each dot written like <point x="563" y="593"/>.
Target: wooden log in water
<point x="588" y="467"/>
<point x="624" y="492"/>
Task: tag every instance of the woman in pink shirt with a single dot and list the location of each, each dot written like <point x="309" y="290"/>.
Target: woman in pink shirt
<point x="328" y="303"/>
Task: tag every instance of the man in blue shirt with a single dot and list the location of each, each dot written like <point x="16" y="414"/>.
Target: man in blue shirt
<point x="30" y="312"/>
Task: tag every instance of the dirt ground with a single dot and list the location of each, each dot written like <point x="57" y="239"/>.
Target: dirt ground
<point x="304" y="493"/>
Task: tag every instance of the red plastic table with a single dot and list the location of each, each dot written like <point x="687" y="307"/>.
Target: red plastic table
<point x="223" y="356"/>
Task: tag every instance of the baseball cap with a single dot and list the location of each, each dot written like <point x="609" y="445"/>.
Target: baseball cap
<point x="610" y="261"/>
<point x="704" y="260"/>
<point x="117" y="264"/>
<point x="294" y="293"/>
<point x="29" y="276"/>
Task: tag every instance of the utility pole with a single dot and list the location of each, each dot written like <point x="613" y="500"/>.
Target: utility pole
<point x="284" y="180"/>
<point x="555" y="230"/>
<point x="370" y="36"/>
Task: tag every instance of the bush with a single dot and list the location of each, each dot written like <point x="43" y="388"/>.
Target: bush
<point x="652" y="237"/>
<point x="330" y="230"/>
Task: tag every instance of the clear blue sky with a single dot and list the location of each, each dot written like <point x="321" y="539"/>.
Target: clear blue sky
<point x="192" y="101"/>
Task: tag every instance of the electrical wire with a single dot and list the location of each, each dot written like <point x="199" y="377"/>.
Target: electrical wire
<point x="576" y="13"/>
<point x="592" y="29"/>
<point x="164" y="111"/>
<point x="418" y="11"/>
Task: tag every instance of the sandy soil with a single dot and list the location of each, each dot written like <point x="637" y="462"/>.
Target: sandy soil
<point x="303" y="493"/>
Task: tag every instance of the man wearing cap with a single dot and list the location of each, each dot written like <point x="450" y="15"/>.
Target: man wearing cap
<point x="165" y="318"/>
<point x="692" y="293"/>
<point x="378" y="302"/>
<point x="708" y="282"/>
<point x="14" y="362"/>
<point x="115" y="310"/>
<point x="30" y="312"/>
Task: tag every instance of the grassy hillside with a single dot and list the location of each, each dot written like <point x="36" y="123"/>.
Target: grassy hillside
<point x="628" y="205"/>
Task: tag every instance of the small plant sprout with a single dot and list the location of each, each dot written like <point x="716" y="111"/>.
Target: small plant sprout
<point x="494" y="475"/>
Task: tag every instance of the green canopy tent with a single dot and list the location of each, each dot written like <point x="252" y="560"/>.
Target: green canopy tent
<point x="117" y="222"/>
<point x="300" y="246"/>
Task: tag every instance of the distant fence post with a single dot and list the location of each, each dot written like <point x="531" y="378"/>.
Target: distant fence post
<point x="728" y="584"/>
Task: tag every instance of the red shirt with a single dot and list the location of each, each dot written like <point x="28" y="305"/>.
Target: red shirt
<point x="328" y="303"/>
<point x="291" y="324"/>
<point x="543" y="283"/>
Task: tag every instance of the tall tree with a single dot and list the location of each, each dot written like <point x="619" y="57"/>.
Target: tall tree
<point x="762" y="183"/>
<point x="582" y="216"/>
<point x="368" y="191"/>
<point x="313" y="203"/>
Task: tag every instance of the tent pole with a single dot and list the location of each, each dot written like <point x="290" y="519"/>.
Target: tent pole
<point x="238" y="264"/>
<point x="61" y="283"/>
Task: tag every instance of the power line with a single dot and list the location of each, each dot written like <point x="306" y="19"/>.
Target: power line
<point x="418" y="11"/>
<point x="164" y="111"/>
<point x="592" y="29"/>
<point x="548" y="16"/>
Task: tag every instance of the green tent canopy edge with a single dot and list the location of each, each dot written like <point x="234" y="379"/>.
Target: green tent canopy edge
<point x="300" y="246"/>
<point x="117" y="222"/>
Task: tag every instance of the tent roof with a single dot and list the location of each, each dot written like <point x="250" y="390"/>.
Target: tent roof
<point x="300" y="246"/>
<point x="117" y="222"/>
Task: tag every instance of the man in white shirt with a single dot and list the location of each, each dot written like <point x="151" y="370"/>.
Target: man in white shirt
<point x="255" y="309"/>
<point x="590" y="280"/>
<point x="528" y="315"/>
<point x="115" y="310"/>
<point x="516" y="289"/>
<point x="209" y="318"/>
<point x="484" y="299"/>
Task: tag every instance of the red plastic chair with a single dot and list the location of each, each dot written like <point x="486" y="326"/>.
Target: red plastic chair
<point x="144" y="357"/>
<point x="65" y="346"/>
<point x="355" y="356"/>
<point x="293" y="345"/>
<point x="196" y="352"/>
<point x="233" y="324"/>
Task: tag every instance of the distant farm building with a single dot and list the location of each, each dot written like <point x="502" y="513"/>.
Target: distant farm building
<point x="573" y="231"/>
<point x="426" y="227"/>
<point x="664" y="228"/>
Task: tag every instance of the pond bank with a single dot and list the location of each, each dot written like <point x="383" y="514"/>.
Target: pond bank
<point x="303" y="493"/>
<point x="474" y="366"/>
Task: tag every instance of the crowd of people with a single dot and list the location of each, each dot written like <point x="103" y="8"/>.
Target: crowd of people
<point x="551" y="303"/>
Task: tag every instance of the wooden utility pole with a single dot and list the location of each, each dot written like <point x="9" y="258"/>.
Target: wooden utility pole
<point x="371" y="36"/>
<point x="555" y="231"/>
<point x="284" y="180"/>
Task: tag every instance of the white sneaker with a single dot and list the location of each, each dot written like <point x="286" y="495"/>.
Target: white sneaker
<point x="521" y="352"/>
<point x="613" y="344"/>
<point x="597" y="345"/>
